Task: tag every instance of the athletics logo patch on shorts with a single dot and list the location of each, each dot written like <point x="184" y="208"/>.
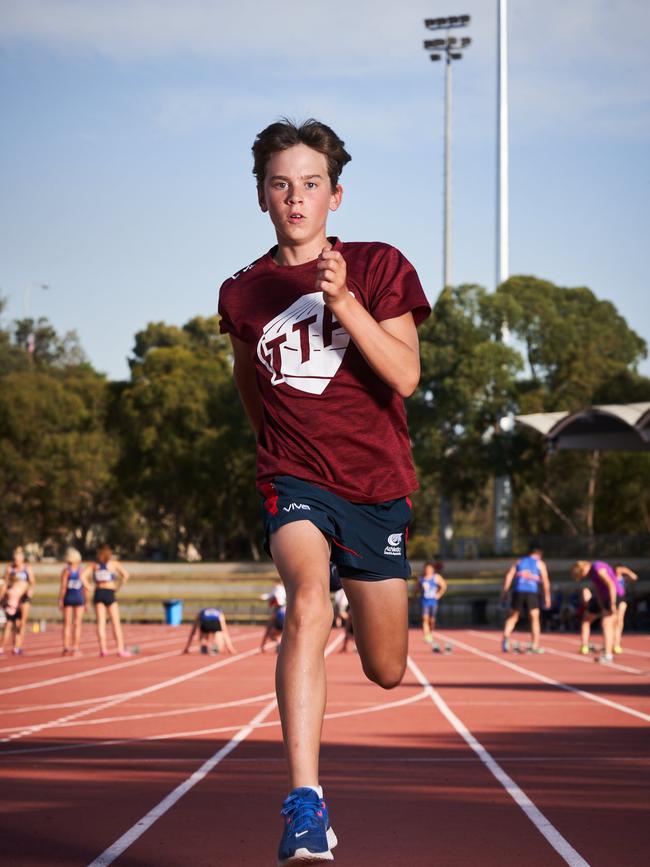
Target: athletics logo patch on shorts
<point x="368" y="541"/>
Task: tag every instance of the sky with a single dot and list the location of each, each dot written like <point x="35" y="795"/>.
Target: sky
<point x="125" y="163"/>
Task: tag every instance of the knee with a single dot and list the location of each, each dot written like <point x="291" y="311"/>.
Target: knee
<point x="309" y="608"/>
<point x="387" y="676"/>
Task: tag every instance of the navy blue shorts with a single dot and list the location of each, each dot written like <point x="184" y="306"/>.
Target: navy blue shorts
<point x="368" y="540"/>
<point x="429" y="607"/>
<point x="73" y="598"/>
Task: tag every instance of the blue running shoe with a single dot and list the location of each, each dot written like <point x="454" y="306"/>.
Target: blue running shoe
<point x="308" y="837"/>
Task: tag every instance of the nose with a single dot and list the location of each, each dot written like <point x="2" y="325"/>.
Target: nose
<point x="293" y="196"/>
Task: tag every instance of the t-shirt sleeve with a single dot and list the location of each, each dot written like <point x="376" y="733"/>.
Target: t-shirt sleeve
<point x="396" y="288"/>
<point x="225" y="309"/>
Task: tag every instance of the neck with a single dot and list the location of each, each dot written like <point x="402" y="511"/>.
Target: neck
<point x="290" y="254"/>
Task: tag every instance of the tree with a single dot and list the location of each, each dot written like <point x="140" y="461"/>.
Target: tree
<point x="467" y="384"/>
<point x="188" y="454"/>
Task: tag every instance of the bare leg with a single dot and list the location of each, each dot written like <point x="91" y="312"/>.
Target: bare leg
<point x="100" y="614"/>
<point x="535" y="629"/>
<point x="78" y="619"/>
<point x="608" y="625"/>
<point x="585" y="628"/>
<point x="114" y="614"/>
<point x="21" y="626"/>
<point x="301" y="554"/>
<point x="67" y="627"/>
<point x="620" y="623"/>
<point x="510" y="624"/>
<point x="380" y="617"/>
<point x="7" y="635"/>
<point x="219" y="641"/>
<point x="426" y="627"/>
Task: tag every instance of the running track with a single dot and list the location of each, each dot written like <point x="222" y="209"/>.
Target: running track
<point x="476" y="759"/>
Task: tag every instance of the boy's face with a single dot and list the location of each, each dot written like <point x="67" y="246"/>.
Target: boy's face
<point x="298" y="196"/>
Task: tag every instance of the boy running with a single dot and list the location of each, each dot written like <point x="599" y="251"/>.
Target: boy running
<point x="528" y="579"/>
<point x="325" y="349"/>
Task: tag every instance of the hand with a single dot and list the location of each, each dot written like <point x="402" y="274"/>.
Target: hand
<point x="332" y="276"/>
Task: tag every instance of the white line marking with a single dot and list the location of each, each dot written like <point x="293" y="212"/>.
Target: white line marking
<point x="59" y="659"/>
<point x="126" y="696"/>
<point x="574" y="657"/>
<point x="89" y="672"/>
<point x="590" y="696"/>
<point x="109" y="855"/>
<point x="119" y="846"/>
<point x="539" y="820"/>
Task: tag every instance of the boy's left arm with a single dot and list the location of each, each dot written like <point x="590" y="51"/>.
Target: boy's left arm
<point x="546" y="584"/>
<point x="391" y="347"/>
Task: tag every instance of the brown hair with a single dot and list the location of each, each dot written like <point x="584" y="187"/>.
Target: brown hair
<point x="286" y="133"/>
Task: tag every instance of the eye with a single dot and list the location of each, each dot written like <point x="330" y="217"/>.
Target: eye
<point x="279" y="185"/>
<point x="311" y="185"/>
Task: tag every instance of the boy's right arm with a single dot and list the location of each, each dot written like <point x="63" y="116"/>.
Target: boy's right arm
<point x="246" y="382"/>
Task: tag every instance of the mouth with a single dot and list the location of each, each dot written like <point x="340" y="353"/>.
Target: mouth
<point x="295" y="217"/>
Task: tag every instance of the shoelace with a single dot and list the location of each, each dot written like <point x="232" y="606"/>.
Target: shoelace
<point x="303" y="813"/>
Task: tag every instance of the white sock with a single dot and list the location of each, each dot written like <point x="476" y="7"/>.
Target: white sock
<point x="317" y="789"/>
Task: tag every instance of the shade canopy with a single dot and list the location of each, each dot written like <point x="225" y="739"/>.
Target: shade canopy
<point x="623" y="427"/>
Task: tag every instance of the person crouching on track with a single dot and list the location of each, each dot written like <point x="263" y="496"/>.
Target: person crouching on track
<point x="602" y="603"/>
<point x="16" y="599"/>
<point x="108" y="576"/>
<point x="213" y="631"/>
<point x="72" y="601"/>
<point x="527" y="578"/>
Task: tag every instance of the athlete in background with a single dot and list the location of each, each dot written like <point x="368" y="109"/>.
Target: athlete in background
<point x="213" y="631"/>
<point x="108" y="576"/>
<point x="432" y="587"/>
<point x="527" y="579"/>
<point x="602" y="603"/>
<point x="16" y="599"/>
<point x="72" y="601"/>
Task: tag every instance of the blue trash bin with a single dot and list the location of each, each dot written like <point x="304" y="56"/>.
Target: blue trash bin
<point x="173" y="611"/>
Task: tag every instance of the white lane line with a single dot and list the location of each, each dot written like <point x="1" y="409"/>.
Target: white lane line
<point x="91" y="671"/>
<point x="136" y="831"/>
<point x="626" y="650"/>
<point x="539" y="820"/>
<point x="84" y="745"/>
<point x="127" y="696"/>
<point x="66" y="660"/>
<point x="574" y="657"/>
<point x="558" y="684"/>
<point x="182" y="711"/>
<point x="179" y="711"/>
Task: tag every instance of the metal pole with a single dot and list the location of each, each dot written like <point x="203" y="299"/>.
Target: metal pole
<point x="446" y="266"/>
<point x="502" y="490"/>
<point x="502" y="239"/>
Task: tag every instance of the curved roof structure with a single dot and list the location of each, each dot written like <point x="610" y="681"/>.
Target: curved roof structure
<point x="613" y="427"/>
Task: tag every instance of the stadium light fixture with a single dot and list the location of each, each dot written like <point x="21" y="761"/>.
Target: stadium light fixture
<point x="451" y="48"/>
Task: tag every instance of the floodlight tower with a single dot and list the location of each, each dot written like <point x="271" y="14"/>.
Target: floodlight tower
<point x="451" y="48"/>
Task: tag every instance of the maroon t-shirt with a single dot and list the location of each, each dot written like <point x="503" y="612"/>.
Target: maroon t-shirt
<point x="327" y="417"/>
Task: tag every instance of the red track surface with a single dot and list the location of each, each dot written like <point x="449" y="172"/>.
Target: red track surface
<point x="92" y="745"/>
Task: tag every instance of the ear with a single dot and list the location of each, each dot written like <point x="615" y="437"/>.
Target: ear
<point x="335" y="198"/>
<point x="261" y="199"/>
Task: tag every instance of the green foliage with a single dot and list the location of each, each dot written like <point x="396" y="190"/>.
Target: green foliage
<point x="167" y="459"/>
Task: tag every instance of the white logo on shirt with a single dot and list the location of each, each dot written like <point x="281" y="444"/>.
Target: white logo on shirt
<point x="293" y="506"/>
<point x="304" y="345"/>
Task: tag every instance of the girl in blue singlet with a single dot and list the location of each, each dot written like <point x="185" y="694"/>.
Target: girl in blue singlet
<point x="72" y="601"/>
<point x="108" y="576"/>
<point x="16" y="598"/>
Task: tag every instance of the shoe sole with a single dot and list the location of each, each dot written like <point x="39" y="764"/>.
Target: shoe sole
<point x="304" y="856"/>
